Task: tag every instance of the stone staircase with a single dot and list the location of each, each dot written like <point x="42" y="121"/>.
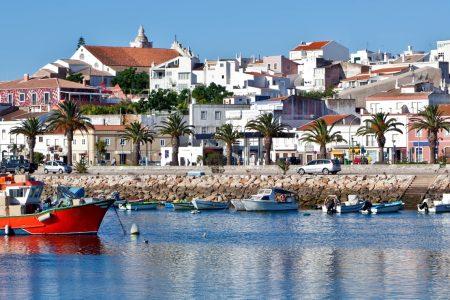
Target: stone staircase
<point x="417" y="190"/>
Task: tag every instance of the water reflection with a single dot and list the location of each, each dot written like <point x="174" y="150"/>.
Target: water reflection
<point x="241" y="256"/>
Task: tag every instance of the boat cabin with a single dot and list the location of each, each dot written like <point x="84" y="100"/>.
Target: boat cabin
<point x="276" y="195"/>
<point x="21" y="189"/>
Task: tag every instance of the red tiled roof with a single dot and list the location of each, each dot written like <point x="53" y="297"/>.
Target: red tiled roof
<point x="329" y="119"/>
<point x="311" y="46"/>
<point x="392" y="70"/>
<point x="445" y="109"/>
<point x="398" y="95"/>
<point x="283" y="98"/>
<point x="131" y="57"/>
<point x="33" y="83"/>
<point x="362" y="76"/>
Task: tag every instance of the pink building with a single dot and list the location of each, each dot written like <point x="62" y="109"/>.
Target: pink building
<point x="40" y="94"/>
<point x="418" y="146"/>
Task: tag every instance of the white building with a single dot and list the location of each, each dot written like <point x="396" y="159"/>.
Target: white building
<point x="329" y="50"/>
<point x="367" y="57"/>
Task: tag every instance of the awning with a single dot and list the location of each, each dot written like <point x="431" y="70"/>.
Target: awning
<point x="337" y="152"/>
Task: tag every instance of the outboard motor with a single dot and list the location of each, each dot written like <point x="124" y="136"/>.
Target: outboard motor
<point x="424" y="205"/>
<point x="367" y="206"/>
<point x="330" y="206"/>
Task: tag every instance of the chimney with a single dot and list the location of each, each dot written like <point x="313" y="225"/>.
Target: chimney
<point x="26" y="77"/>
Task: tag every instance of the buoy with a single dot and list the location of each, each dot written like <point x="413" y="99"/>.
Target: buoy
<point x="7" y="229"/>
<point x="204" y="234"/>
<point x="195" y="212"/>
<point x="134" y="229"/>
<point x="146" y="241"/>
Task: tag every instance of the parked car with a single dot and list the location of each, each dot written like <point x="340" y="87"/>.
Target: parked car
<point x="55" y="166"/>
<point x="324" y="166"/>
<point x="16" y="164"/>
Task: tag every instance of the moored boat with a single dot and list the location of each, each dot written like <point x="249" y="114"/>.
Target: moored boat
<point x="442" y="206"/>
<point x="379" y="208"/>
<point x="271" y="200"/>
<point x="21" y="210"/>
<point x="201" y="204"/>
<point x="180" y="205"/>
<point x="332" y="204"/>
<point x="139" y="205"/>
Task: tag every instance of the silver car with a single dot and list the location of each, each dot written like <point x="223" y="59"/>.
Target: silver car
<point x="324" y="166"/>
<point x="55" y="166"/>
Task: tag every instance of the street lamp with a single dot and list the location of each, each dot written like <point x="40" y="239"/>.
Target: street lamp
<point x="393" y="150"/>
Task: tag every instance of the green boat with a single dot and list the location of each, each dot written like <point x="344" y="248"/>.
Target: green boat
<point x="182" y="205"/>
<point x="138" y="205"/>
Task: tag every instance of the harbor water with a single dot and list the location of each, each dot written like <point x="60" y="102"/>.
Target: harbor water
<point x="235" y="255"/>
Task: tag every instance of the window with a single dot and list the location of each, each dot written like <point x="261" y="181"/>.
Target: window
<point x="47" y="142"/>
<point x="218" y="115"/>
<point x="11" y="139"/>
<point x="275" y="66"/>
<point x="203" y="115"/>
<point x="74" y="142"/>
<point x="64" y="142"/>
<point x="21" y="97"/>
<point x="15" y="193"/>
<point x="46" y="98"/>
<point x="268" y="66"/>
<point x="10" y="98"/>
<point x="183" y="76"/>
<point x="33" y="99"/>
<point x="419" y="133"/>
<point x="56" y="142"/>
<point x="107" y="156"/>
<point x="162" y="142"/>
<point x="107" y="141"/>
<point x="204" y="130"/>
<point x="83" y="142"/>
<point x="40" y="139"/>
<point x="123" y="142"/>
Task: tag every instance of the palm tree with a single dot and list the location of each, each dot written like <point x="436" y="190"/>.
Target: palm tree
<point x="30" y="128"/>
<point x="101" y="146"/>
<point x="270" y="127"/>
<point x="176" y="128"/>
<point x="379" y="125"/>
<point x="68" y="117"/>
<point x="322" y="134"/>
<point x="226" y="134"/>
<point x="16" y="149"/>
<point x="431" y="120"/>
<point x="138" y="134"/>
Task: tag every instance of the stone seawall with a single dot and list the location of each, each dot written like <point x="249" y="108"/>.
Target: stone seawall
<point x="311" y="189"/>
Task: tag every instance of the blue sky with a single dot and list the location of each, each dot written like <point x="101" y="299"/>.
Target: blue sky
<point x="33" y="33"/>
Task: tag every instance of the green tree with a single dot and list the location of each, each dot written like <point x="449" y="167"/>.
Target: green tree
<point x="138" y="134"/>
<point x="69" y="118"/>
<point x="229" y="136"/>
<point x="81" y="42"/>
<point x="101" y="148"/>
<point x="30" y="128"/>
<point x="269" y="127"/>
<point x="212" y="94"/>
<point x="378" y="125"/>
<point x="16" y="149"/>
<point x="38" y="158"/>
<point x="132" y="82"/>
<point x="322" y="134"/>
<point x="76" y="77"/>
<point x="432" y="120"/>
<point x="175" y="127"/>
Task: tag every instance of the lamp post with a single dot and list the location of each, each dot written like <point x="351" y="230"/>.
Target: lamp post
<point x="393" y="151"/>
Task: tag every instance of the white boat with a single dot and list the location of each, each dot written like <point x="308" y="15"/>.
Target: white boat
<point x="201" y="204"/>
<point x="332" y="204"/>
<point x="378" y="208"/>
<point x="271" y="200"/>
<point x="437" y="207"/>
<point x="238" y="204"/>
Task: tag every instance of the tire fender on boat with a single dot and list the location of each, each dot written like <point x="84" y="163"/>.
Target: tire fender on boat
<point x="44" y="217"/>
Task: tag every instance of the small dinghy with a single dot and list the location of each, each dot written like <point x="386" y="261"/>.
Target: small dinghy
<point x="437" y="207"/>
<point x="180" y="205"/>
<point x="139" y="205"/>
<point x="238" y="204"/>
<point x="379" y="208"/>
<point x="332" y="204"/>
<point x="201" y="204"/>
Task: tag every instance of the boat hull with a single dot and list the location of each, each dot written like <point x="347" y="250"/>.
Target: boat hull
<point x="209" y="205"/>
<point x="183" y="206"/>
<point x="139" y="206"/>
<point x="238" y="204"/>
<point x="82" y="219"/>
<point x="387" y="207"/>
<point x="438" y="209"/>
<point x="252" y="205"/>
<point x="345" y="209"/>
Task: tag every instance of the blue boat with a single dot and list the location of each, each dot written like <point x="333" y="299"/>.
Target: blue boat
<point x="388" y="207"/>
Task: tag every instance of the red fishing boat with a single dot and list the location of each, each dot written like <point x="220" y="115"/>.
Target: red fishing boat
<point x="22" y="212"/>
